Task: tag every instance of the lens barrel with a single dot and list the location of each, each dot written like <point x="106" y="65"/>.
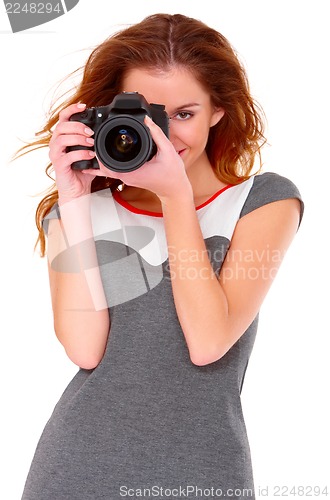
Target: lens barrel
<point x="123" y="143"/>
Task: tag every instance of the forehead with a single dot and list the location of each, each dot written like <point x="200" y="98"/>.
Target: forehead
<point x="172" y="88"/>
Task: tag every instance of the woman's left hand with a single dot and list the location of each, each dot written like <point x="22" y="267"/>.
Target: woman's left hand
<point x="164" y="174"/>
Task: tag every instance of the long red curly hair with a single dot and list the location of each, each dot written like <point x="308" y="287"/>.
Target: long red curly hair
<point x="162" y="41"/>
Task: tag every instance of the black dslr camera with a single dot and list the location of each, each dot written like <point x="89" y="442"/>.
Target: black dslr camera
<point x="122" y="141"/>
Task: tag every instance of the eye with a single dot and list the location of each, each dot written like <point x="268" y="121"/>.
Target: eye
<point x="183" y="115"/>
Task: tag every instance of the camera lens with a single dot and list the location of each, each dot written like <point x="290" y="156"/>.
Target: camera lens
<point x="123" y="144"/>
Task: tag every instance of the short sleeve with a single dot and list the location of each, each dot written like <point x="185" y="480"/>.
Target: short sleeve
<point x="269" y="187"/>
<point x="54" y="213"/>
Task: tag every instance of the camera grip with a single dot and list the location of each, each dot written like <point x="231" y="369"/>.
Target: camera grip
<point x="83" y="164"/>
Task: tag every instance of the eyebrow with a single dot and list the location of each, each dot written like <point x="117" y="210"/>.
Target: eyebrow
<point x="185" y="106"/>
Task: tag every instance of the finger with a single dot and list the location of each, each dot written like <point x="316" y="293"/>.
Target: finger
<point x="70" y="110"/>
<point x="99" y="173"/>
<point x="63" y="164"/>
<point x="157" y="134"/>
<point x="105" y="172"/>
<point x="95" y="172"/>
<point x="74" y="127"/>
<point x="58" y="147"/>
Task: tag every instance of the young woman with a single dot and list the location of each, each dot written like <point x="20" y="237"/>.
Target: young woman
<point x="157" y="275"/>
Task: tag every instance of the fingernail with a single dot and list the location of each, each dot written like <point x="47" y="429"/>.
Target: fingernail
<point x="90" y="140"/>
<point x="88" y="131"/>
<point x="147" y="118"/>
<point x="81" y="105"/>
<point x="91" y="153"/>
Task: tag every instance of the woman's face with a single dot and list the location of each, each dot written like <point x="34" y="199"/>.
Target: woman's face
<point x="187" y="104"/>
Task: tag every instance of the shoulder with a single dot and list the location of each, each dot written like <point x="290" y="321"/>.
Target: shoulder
<point x="269" y="187"/>
<point x="54" y="213"/>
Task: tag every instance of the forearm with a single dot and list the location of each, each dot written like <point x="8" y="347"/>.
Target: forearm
<point x="200" y="301"/>
<point x="81" y="317"/>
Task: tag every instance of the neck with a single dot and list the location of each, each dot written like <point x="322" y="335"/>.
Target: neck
<point x="202" y="179"/>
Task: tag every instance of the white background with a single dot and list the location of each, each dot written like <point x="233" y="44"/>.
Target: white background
<point x="285" y="47"/>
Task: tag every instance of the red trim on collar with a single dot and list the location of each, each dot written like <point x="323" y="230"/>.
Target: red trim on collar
<point x="135" y="210"/>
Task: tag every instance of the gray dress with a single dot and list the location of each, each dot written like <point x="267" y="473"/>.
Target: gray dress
<point x="147" y="422"/>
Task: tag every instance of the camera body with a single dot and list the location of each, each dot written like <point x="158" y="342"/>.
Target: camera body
<point x="122" y="142"/>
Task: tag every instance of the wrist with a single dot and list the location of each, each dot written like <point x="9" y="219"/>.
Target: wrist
<point x="81" y="200"/>
<point x="183" y="194"/>
<point x="76" y="219"/>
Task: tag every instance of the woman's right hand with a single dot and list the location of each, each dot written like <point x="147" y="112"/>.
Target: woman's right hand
<point x="71" y="184"/>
